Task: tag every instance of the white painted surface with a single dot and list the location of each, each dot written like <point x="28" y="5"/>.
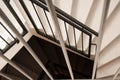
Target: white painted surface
<point x="112" y="49"/>
<point x="95" y="15"/>
<point x="112" y="28"/>
<point x="109" y="69"/>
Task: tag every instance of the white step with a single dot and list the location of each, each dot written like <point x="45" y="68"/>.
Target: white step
<point x="111" y="29"/>
<point x="114" y="6"/>
<point x="109" y="69"/>
<point x="111" y="11"/>
<point x="110" y="52"/>
<point x="109" y="77"/>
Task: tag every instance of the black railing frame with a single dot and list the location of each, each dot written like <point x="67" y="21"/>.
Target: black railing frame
<point x="61" y="14"/>
<point x="72" y="19"/>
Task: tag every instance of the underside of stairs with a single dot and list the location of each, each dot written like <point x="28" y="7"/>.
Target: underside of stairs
<point x="53" y="59"/>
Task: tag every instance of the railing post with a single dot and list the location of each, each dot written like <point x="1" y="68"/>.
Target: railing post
<point x="5" y="76"/>
<point x="57" y="28"/>
<point x="100" y="37"/>
<point x="15" y="66"/>
<point x="26" y="45"/>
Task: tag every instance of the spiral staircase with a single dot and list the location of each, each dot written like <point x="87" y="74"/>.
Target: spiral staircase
<point x="89" y="30"/>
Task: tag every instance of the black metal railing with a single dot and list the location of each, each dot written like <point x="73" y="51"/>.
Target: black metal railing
<point x="8" y="33"/>
<point x="67" y="19"/>
<point x="61" y="13"/>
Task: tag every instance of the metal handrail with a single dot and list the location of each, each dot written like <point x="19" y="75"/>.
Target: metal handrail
<point x="61" y="12"/>
<point x="42" y="5"/>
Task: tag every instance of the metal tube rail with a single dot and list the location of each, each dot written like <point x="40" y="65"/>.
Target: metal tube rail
<point x="26" y="45"/>
<point x="5" y="76"/>
<point x="57" y="27"/>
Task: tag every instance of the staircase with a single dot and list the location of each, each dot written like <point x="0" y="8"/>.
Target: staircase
<point x="80" y="23"/>
<point x="90" y="12"/>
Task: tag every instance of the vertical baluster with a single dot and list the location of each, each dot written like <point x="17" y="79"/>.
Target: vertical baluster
<point x="5" y="76"/>
<point x="82" y="42"/>
<point x="75" y="37"/>
<point x="39" y="18"/>
<point x="4" y="40"/>
<point x="29" y="15"/>
<point x="67" y="33"/>
<point x="49" y="23"/>
<point x="90" y="41"/>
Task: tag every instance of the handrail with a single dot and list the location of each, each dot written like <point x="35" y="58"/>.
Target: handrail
<point x="61" y="12"/>
<point x="40" y="4"/>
